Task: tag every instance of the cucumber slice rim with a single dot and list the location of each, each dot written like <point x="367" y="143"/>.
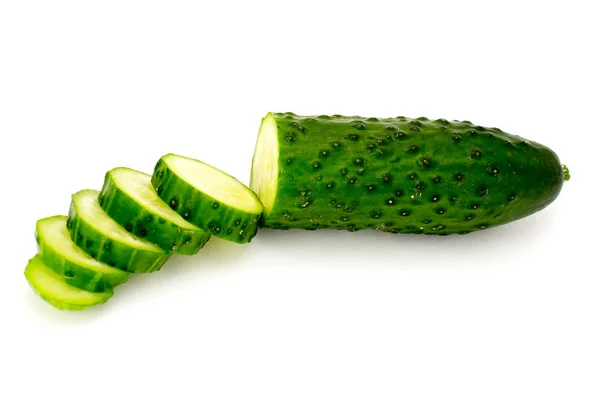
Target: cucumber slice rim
<point x="53" y="232"/>
<point x="265" y="163"/>
<point x="146" y="196"/>
<point x="88" y="209"/>
<point x="214" y="183"/>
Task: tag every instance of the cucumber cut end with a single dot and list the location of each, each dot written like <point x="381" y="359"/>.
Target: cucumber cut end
<point x="265" y="169"/>
<point x="215" y="183"/>
<point x="52" y="288"/>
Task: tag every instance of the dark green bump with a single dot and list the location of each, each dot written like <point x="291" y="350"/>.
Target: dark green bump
<point x="442" y="121"/>
<point x="69" y="223"/>
<point x="390" y="201"/>
<point x="453" y="198"/>
<point x="69" y="274"/>
<point x="173" y="203"/>
<point x="438" y="228"/>
<point x="370" y="187"/>
<point x="101" y="201"/>
<point x="456" y="138"/>
<point x="112" y="264"/>
<point x="79" y="237"/>
<point x="426" y="221"/>
<point x="412" y="176"/>
<point x="289" y="161"/>
<point x="186" y="215"/>
<point x="483" y="191"/>
<point x="475" y="206"/>
<point x="335" y="144"/>
<point x="353" y="137"/>
<point x="343" y="171"/>
<point x="483" y="226"/>
<point x="441" y="211"/>
<point x="352" y="180"/>
<point x="237" y="222"/>
<point x="419" y="186"/>
<point x="437" y="180"/>
<point x="215" y="205"/>
<point x="333" y="201"/>
<point x="371" y="147"/>
<point x="472" y="132"/>
<point x="359" y="161"/>
<point x="512" y="196"/>
<point x="129" y="226"/>
<point x="290" y="138"/>
<point x="323" y="153"/>
<point x="435" y="198"/>
<point x="349" y="209"/>
<point x="229" y="231"/>
<point x="414" y="129"/>
<point x="344" y="219"/>
<point x="316" y="165"/>
<point x="373" y="119"/>
<point x="360" y="171"/>
<point x="426" y="162"/>
<point x="386" y="178"/>
<point x="469" y="217"/>
<point x="306" y="204"/>
<point x="160" y="189"/>
<point x="459" y="177"/>
<point x="122" y="267"/>
<point x="399" y="193"/>
<point x="149" y="218"/>
<point x="330" y="185"/>
<point x="101" y="287"/>
<point x="494" y="171"/>
<point x="391" y="128"/>
<point x="413" y="149"/>
<point x="376" y="214"/>
<point x="380" y="153"/>
<point x="360" y="125"/>
<point x="143" y="232"/>
<point x="107" y="246"/>
<point x="476" y="154"/>
<point x="88" y="243"/>
<point x="404" y="212"/>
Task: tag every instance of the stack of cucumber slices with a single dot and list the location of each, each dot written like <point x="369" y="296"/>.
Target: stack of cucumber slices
<point x="396" y="175"/>
<point x="133" y="225"/>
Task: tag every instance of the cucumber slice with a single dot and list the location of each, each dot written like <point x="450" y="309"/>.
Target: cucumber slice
<point x="129" y="198"/>
<point x="107" y="241"/>
<point x="53" y="288"/>
<point x="76" y="267"/>
<point x="208" y="198"/>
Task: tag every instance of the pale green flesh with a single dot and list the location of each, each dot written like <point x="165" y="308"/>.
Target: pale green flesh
<point x="215" y="183"/>
<point x="54" y="233"/>
<point x="53" y="288"/>
<point x="138" y="186"/>
<point x="265" y="170"/>
<point x="88" y="209"/>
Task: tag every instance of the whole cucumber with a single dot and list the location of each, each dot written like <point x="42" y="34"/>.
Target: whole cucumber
<point x="398" y="175"/>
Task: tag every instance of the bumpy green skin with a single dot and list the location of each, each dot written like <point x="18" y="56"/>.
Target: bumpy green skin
<point x="405" y="175"/>
<point x="143" y="223"/>
<point x="112" y="252"/>
<point x="202" y="210"/>
<point x="75" y="274"/>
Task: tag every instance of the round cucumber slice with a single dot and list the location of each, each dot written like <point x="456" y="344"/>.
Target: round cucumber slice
<point x="76" y="266"/>
<point x="129" y="198"/>
<point x="208" y="197"/>
<point x="94" y="231"/>
<point x="53" y="288"/>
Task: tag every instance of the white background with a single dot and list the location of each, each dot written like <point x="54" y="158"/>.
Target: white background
<point x="509" y="313"/>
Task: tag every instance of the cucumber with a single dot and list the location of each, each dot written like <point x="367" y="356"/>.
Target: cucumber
<point x="129" y="198"/>
<point x="77" y="268"/>
<point x="54" y="289"/>
<point x="105" y="240"/>
<point x="208" y="198"/>
<point x="398" y="175"/>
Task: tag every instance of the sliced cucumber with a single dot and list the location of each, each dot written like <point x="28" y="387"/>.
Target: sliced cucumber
<point x="107" y="241"/>
<point x="129" y="198"/>
<point x="208" y="198"/>
<point x="53" y="288"/>
<point x="76" y="267"/>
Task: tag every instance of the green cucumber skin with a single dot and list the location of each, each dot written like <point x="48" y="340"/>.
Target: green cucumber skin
<point x="404" y="175"/>
<point x="202" y="210"/>
<point x="137" y="220"/>
<point x="112" y="252"/>
<point x="74" y="274"/>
